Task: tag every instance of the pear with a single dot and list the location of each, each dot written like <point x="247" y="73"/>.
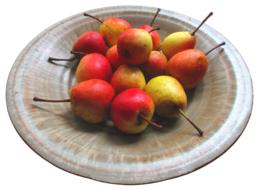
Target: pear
<point x="132" y="111"/>
<point x="134" y="46"/>
<point x="111" y="28"/>
<point x="88" y="42"/>
<point x="155" y="65"/>
<point x="155" y="35"/>
<point x="189" y="66"/>
<point x="169" y="98"/>
<point x="93" y="66"/>
<point x="179" y="41"/>
<point x="168" y="95"/>
<point x="90" y="100"/>
<point x="127" y="76"/>
<point x="113" y="57"/>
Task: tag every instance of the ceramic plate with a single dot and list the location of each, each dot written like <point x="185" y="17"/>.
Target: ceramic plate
<point x="101" y="152"/>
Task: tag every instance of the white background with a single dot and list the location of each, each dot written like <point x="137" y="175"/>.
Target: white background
<point x="21" y="168"/>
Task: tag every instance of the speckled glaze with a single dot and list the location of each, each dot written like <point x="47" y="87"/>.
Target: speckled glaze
<point x="221" y="105"/>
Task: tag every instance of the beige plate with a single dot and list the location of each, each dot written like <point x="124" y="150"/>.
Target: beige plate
<point x="221" y="105"/>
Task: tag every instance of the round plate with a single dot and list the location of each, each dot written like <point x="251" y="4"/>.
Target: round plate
<point x="101" y="152"/>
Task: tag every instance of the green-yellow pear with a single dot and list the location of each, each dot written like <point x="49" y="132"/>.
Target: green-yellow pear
<point x="169" y="97"/>
<point x="179" y="41"/>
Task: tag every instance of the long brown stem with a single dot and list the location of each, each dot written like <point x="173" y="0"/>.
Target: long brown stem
<point x="154" y="29"/>
<point x="51" y="59"/>
<point x="143" y="117"/>
<point x="36" y="99"/>
<point x="155" y="16"/>
<point x="101" y="21"/>
<point x="191" y="122"/>
<point x="91" y="16"/>
<point x="217" y="46"/>
<point x="76" y="56"/>
<point x="205" y="19"/>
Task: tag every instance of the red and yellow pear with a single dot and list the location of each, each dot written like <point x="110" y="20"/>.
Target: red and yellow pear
<point x="155" y="65"/>
<point x="179" y="41"/>
<point x="134" y="46"/>
<point x="127" y="76"/>
<point x="154" y="34"/>
<point x="113" y="57"/>
<point x="111" y="28"/>
<point x="189" y="66"/>
<point x="93" y="66"/>
<point x="90" y="100"/>
<point x="132" y="111"/>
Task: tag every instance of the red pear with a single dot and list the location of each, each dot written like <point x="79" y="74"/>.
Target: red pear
<point x="89" y="100"/>
<point x="113" y="57"/>
<point x="189" y="66"/>
<point x="88" y="42"/>
<point x="155" y="35"/>
<point x="111" y="28"/>
<point x="94" y="66"/>
<point x="155" y="65"/>
<point x="132" y="110"/>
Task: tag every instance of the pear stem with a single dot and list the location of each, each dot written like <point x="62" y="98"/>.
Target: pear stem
<point x="91" y="16"/>
<point x="156" y="125"/>
<point x="217" y="46"/>
<point x="154" y="29"/>
<point x="51" y="59"/>
<point x="36" y="99"/>
<point x="77" y="53"/>
<point x="205" y="19"/>
<point x="191" y="122"/>
<point x="155" y="16"/>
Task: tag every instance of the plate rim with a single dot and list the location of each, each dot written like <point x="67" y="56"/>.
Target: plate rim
<point x="12" y="72"/>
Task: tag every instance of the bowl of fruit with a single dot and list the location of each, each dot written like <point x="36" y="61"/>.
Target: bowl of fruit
<point x="129" y="94"/>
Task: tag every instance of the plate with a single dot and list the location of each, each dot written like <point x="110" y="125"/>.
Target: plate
<point x="101" y="152"/>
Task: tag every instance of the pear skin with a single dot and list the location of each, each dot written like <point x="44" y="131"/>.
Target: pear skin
<point x="155" y="36"/>
<point x="168" y="95"/>
<point x="91" y="100"/>
<point x="177" y="42"/>
<point x="155" y="65"/>
<point x="189" y="67"/>
<point x="112" y="28"/>
<point x="90" y="42"/>
<point x="94" y="66"/>
<point x="127" y="76"/>
<point x="126" y="108"/>
<point x="113" y="58"/>
<point x="134" y="46"/>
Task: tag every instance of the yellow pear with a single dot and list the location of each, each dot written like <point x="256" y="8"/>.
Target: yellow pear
<point x="169" y="98"/>
<point x="168" y="95"/>
<point x="179" y="41"/>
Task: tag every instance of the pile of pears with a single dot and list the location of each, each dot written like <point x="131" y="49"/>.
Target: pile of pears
<point x="128" y="74"/>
